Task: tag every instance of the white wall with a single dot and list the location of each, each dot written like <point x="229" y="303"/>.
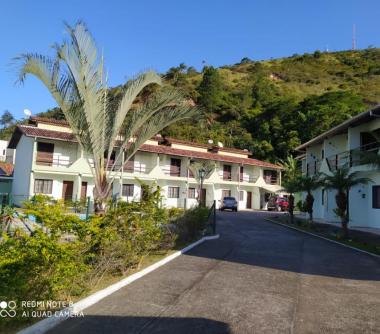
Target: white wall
<point x="22" y="171"/>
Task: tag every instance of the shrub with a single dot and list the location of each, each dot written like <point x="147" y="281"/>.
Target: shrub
<point x="38" y="267"/>
<point x="192" y="223"/>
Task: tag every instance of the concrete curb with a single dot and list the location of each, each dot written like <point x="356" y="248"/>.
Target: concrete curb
<point x="48" y="323"/>
<point x="319" y="236"/>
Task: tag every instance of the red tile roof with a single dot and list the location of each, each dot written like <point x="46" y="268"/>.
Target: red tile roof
<point x="203" y="155"/>
<point x="52" y="121"/>
<point x="32" y="131"/>
<point x="6" y="169"/>
<point x="64" y="123"/>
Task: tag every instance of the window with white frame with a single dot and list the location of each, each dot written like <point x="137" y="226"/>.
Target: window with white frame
<point x="191" y="193"/>
<point x="128" y="190"/>
<point x="241" y="195"/>
<point x="173" y="192"/>
<point x="43" y="186"/>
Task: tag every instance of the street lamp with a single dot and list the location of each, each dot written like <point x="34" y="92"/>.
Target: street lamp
<point x="202" y="173"/>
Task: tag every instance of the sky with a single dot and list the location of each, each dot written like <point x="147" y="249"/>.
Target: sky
<point x="159" y="34"/>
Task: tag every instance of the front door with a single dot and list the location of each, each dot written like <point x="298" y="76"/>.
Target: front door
<point x="203" y="197"/>
<point x="67" y="190"/>
<point x="249" y="199"/>
<point x="83" y="191"/>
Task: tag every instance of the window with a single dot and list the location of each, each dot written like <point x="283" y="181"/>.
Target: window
<point x="376" y="197"/>
<point x="323" y="196"/>
<point x="226" y="193"/>
<point x="128" y="190"/>
<point x="191" y="193"/>
<point x="323" y="154"/>
<point x="42" y="186"/>
<point x="173" y="192"/>
<point x="241" y="195"/>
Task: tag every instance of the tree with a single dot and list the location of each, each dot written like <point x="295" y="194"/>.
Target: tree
<point x="291" y="183"/>
<point x="290" y="166"/>
<point x="6" y="119"/>
<point x="211" y="89"/>
<point x="77" y="80"/>
<point x="309" y="184"/>
<point x="201" y="171"/>
<point x="342" y="180"/>
<point x="291" y="186"/>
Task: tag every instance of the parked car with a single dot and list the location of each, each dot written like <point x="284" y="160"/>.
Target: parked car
<point x="278" y="203"/>
<point x="229" y="203"/>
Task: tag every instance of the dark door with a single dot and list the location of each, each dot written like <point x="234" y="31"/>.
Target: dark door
<point x="67" y="190"/>
<point x="226" y="172"/>
<point x="83" y="190"/>
<point x="249" y="200"/>
<point x="241" y="173"/>
<point x="45" y="153"/>
<point x="175" y="167"/>
<point x="203" y="197"/>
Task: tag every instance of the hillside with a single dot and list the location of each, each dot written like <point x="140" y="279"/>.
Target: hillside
<point x="270" y="107"/>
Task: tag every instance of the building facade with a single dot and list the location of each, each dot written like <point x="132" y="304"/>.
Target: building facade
<point x="344" y="146"/>
<point x="50" y="161"/>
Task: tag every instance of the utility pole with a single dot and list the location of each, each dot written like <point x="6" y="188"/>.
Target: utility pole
<point x="354" y="37"/>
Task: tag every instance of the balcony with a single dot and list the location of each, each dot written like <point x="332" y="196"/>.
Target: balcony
<point x="48" y="159"/>
<point x="133" y="167"/>
<point x="313" y="168"/>
<point x="239" y="177"/>
<point x="177" y="171"/>
<point x="351" y="158"/>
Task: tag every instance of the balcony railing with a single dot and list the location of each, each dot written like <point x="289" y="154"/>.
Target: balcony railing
<point x="271" y="179"/>
<point x="239" y="177"/>
<point x="176" y="171"/>
<point x="354" y="157"/>
<point x="312" y="168"/>
<point x="48" y="159"/>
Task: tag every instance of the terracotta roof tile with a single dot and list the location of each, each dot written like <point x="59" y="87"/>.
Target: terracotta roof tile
<point x="32" y="131"/>
<point x="6" y="169"/>
<point x="203" y="155"/>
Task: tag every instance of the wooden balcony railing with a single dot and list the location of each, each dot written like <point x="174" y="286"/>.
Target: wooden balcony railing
<point x="48" y="159"/>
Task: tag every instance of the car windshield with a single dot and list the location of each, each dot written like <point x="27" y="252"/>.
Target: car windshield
<point x="229" y="198"/>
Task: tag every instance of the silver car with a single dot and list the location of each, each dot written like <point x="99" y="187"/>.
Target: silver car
<point x="229" y="203"/>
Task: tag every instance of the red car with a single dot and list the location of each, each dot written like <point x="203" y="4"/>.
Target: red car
<point x="278" y="203"/>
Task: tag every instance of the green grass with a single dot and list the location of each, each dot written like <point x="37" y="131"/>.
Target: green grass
<point x="353" y="241"/>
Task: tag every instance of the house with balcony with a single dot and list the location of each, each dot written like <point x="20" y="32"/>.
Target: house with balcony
<point x="50" y="161"/>
<point x="344" y="146"/>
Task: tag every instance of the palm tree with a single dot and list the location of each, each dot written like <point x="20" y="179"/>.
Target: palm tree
<point x="342" y="180"/>
<point x="291" y="186"/>
<point x="77" y="80"/>
<point x="290" y="166"/>
<point x="308" y="184"/>
<point x="201" y="171"/>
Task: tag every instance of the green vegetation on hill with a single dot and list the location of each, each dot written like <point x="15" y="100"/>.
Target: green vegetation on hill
<point x="270" y="107"/>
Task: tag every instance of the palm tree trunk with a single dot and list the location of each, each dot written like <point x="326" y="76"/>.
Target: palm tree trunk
<point x="291" y="208"/>
<point x="341" y="203"/>
<point x="101" y="196"/>
<point x="309" y="205"/>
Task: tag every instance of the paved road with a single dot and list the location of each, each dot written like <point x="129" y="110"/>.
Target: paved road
<point x="257" y="278"/>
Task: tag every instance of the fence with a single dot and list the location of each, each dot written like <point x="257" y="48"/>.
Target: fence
<point x="211" y="219"/>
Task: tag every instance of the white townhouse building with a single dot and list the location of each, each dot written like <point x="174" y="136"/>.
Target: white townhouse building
<point x="50" y="161"/>
<point x="343" y="146"/>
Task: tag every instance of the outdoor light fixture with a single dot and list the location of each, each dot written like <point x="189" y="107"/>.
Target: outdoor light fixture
<point x="202" y="173"/>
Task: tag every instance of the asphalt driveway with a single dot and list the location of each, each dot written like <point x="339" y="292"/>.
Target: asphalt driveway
<point x="257" y="278"/>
